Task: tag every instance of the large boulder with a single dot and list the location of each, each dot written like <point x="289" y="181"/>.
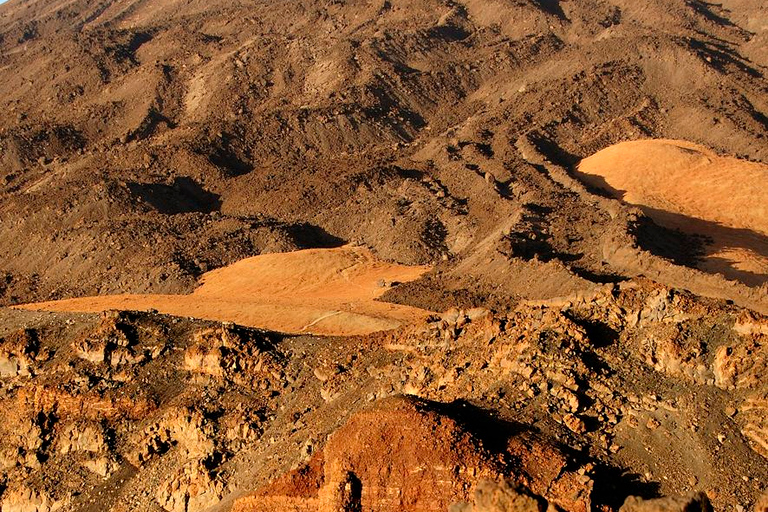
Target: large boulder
<point x="408" y="455"/>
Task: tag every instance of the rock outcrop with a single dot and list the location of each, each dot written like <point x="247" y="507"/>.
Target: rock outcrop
<point x="697" y="502"/>
<point x="17" y="354"/>
<point x="233" y="355"/>
<point x="491" y="496"/>
<point x="192" y="489"/>
<point x="405" y="454"/>
<point x="27" y="499"/>
<point x="539" y="406"/>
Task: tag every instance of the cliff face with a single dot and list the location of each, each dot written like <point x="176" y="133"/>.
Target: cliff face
<point x="407" y="454"/>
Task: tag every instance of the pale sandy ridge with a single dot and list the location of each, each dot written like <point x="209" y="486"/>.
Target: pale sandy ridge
<point x="318" y="291"/>
<point x="689" y="187"/>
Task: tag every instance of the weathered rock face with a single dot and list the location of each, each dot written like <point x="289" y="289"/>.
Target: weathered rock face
<point x="752" y="415"/>
<point x="87" y="437"/>
<point x="404" y="455"/>
<point x="544" y="469"/>
<point x="113" y="343"/>
<point x="26" y="499"/>
<point x="501" y="496"/>
<point x="743" y="365"/>
<point x="17" y="354"/>
<point x="192" y="489"/>
<point x="544" y="403"/>
<point x="87" y="441"/>
<point x="232" y="355"/>
<point x="690" y="339"/>
<point x="99" y="409"/>
<point x="21" y="440"/>
<point x="186" y="429"/>
<point x="697" y="502"/>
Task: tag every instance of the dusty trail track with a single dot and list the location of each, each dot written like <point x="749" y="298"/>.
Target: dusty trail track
<point x="318" y="291"/>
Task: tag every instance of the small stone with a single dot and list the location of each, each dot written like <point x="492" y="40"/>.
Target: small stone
<point x="321" y="374"/>
<point x="574" y="423"/>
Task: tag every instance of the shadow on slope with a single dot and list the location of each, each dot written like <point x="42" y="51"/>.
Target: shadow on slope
<point x="184" y="195"/>
<point x="697" y="243"/>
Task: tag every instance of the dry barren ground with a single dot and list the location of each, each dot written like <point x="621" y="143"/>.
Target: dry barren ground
<point x="180" y="155"/>
<point x="143" y="144"/>
<point x="634" y="390"/>
<point x="685" y="186"/>
<point x="320" y="291"/>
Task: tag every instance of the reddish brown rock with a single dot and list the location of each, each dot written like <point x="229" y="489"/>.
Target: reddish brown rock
<point x="501" y="496"/>
<point x="696" y="502"/>
<point x="17" y="354"/>
<point x="405" y="455"/>
<point x="762" y="504"/>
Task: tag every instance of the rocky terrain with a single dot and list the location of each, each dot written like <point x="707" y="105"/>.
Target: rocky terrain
<point x="636" y="389"/>
<point x="559" y="343"/>
<point x="146" y="143"/>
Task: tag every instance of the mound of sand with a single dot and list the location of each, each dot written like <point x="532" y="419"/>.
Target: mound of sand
<point x="688" y="187"/>
<point x="319" y="291"/>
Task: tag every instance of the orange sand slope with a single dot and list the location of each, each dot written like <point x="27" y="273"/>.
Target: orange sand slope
<point x="686" y="186"/>
<point x="319" y="291"/>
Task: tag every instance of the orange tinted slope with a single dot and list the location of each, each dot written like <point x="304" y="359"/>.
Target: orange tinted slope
<point x="686" y="186"/>
<point x="319" y="291"/>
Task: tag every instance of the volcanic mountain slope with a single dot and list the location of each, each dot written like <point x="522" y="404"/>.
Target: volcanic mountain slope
<point x="144" y="143"/>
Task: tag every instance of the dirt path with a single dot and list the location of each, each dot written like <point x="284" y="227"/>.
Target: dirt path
<point x="688" y="187"/>
<point x="319" y="291"/>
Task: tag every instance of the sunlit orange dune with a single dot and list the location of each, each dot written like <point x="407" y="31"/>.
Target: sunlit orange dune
<point x="318" y="291"/>
<point x="688" y="187"/>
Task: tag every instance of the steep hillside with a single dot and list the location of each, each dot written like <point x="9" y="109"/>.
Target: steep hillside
<point x="145" y="143"/>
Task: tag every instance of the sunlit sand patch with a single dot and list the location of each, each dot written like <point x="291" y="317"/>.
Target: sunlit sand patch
<point x="319" y="291"/>
<point x="685" y="186"/>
